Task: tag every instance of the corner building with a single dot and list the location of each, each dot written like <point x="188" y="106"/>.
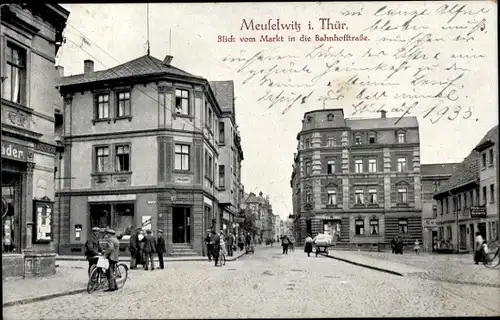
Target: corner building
<point x="142" y="147"/>
<point x="357" y="179"/>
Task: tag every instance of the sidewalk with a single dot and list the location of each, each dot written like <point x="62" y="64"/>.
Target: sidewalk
<point x="70" y="278"/>
<point x="442" y="267"/>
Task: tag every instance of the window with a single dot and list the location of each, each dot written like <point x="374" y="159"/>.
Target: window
<point x="485" y="196"/>
<point x="15" y="75"/>
<point x="330" y="117"/>
<point x="209" y="116"/>
<point x="182" y="102"/>
<point x="372" y="196"/>
<point x="330" y="166"/>
<point x="403" y="226"/>
<point x="447" y="204"/>
<point x="401" y="137"/>
<point x="122" y="158"/>
<point x="308" y="168"/>
<point x="371" y="138"/>
<point x="222" y="176"/>
<point x="454" y="204"/>
<point x="491" y="158"/>
<point x="222" y="133"/>
<point x="484" y="159"/>
<point x="357" y="139"/>
<point x="308" y="143"/>
<point x="182" y="156"/>
<point x="359" y="197"/>
<point x="441" y="202"/>
<point x="402" y="195"/>
<point x="123" y="106"/>
<point x="374" y="227"/>
<point x="401" y="164"/>
<point x="331" y="142"/>
<point x="102" y="159"/>
<point x="208" y="165"/>
<point x="372" y="165"/>
<point x="332" y="197"/>
<point x="308" y="196"/>
<point x="492" y="193"/>
<point x="358" y="166"/>
<point x="466" y="195"/>
<point x="102" y="111"/>
<point x="360" y="227"/>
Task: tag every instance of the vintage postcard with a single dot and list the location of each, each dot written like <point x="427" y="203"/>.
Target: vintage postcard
<point x="250" y="160"/>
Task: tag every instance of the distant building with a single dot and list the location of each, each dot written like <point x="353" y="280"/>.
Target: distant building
<point x="30" y="37"/>
<point x="357" y="179"/>
<point x="464" y="204"/>
<point x="147" y="145"/>
<point x="433" y="175"/>
<point x="262" y="211"/>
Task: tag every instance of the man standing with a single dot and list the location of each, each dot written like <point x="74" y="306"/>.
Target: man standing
<point x="134" y="248"/>
<point x="285" y="242"/>
<point x="93" y="248"/>
<point x="160" y="248"/>
<point x="229" y="244"/>
<point x="149" y="250"/>
<point x="112" y="252"/>
<point x="208" y="242"/>
<point x="216" y="246"/>
<point x="241" y="241"/>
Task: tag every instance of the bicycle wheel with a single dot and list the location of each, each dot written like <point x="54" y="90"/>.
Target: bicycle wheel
<point x="92" y="269"/>
<point x="493" y="260"/>
<point x="121" y="275"/>
<point x="95" y="279"/>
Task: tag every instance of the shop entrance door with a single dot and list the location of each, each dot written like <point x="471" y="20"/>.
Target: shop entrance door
<point x="463" y="237"/>
<point x="181" y="225"/>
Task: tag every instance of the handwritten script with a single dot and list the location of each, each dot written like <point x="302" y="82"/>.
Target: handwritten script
<point x="422" y="62"/>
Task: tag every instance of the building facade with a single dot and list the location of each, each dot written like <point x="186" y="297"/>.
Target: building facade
<point x="260" y="208"/>
<point x="433" y="176"/>
<point x="30" y="37"/>
<point x="462" y="202"/>
<point x="142" y="149"/>
<point x="357" y="179"/>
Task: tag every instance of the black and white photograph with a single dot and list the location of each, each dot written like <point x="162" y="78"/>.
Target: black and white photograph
<point x="250" y="160"/>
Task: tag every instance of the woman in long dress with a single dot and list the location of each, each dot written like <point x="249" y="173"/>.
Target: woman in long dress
<point x="308" y="247"/>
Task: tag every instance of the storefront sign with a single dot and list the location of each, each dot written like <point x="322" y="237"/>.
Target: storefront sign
<point x="111" y="198"/>
<point x="146" y="222"/>
<point x="183" y="179"/>
<point x="430" y="223"/>
<point x="478" y="212"/>
<point x="16" y="152"/>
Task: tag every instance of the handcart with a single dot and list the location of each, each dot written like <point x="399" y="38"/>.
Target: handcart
<point x="321" y="248"/>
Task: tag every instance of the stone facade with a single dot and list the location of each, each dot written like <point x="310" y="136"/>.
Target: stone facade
<point x="358" y="179"/>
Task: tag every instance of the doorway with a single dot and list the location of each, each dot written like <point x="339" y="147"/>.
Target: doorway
<point x="481" y="228"/>
<point x="472" y="236"/>
<point x="434" y="240"/>
<point x="181" y="225"/>
<point x="463" y="237"/>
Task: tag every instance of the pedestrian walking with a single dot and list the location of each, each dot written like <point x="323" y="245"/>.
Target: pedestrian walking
<point x="133" y="247"/>
<point x="161" y="248"/>
<point x="478" y="252"/>
<point x="417" y="247"/>
<point x="111" y="253"/>
<point x="208" y="242"/>
<point x="149" y="250"/>
<point x="399" y="246"/>
<point x="393" y="245"/>
<point x="216" y="246"/>
<point x="229" y="244"/>
<point x="285" y="242"/>
<point x="241" y="241"/>
<point x="308" y="246"/>
<point x="93" y="248"/>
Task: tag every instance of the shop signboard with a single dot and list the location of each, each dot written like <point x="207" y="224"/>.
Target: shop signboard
<point x="478" y="212"/>
<point x="16" y="152"/>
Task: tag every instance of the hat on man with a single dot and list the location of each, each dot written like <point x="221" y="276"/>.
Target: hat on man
<point x="96" y="229"/>
<point x="110" y="231"/>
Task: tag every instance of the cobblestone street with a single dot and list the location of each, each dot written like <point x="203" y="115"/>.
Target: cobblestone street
<point x="268" y="284"/>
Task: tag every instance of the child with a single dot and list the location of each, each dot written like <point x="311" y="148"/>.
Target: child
<point x="417" y="247"/>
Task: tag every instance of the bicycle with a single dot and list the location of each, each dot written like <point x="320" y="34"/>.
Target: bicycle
<point x="222" y="257"/>
<point x="489" y="259"/>
<point x="98" y="279"/>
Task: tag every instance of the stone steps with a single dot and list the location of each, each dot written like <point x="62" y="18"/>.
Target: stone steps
<point x="183" y="250"/>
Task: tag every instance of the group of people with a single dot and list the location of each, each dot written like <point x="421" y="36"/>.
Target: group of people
<point x="143" y="247"/>
<point x="227" y="242"/>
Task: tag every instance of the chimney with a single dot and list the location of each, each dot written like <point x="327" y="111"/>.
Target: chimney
<point x="88" y="66"/>
<point x="383" y="114"/>
<point x="60" y="71"/>
<point x="167" y="60"/>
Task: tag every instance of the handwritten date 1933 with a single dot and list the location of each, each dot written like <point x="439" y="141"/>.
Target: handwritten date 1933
<point x="437" y="112"/>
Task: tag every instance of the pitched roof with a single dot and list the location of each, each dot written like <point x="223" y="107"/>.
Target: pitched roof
<point x="441" y="169"/>
<point x="224" y="93"/>
<point x="145" y="65"/>
<point x="468" y="170"/>
<point x="382" y="123"/>
<point x="491" y="135"/>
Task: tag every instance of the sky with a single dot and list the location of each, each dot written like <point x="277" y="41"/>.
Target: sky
<point x="465" y="70"/>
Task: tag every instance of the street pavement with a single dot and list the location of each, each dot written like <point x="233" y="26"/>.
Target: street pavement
<point x="268" y="284"/>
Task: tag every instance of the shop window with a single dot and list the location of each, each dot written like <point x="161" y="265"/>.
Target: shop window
<point x="11" y="191"/>
<point x="360" y="227"/>
<point x="123" y="216"/>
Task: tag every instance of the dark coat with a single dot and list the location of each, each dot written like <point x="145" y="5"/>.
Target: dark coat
<point x="92" y="248"/>
<point x="230" y="240"/>
<point x="149" y="244"/>
<point x="285" y="241"/>
<point x="160" y="245"/>
<point x="216" y="240"/>
<point x="134" y="243"/>
<point x="113" y="249"/>
<point x="241" y="239"/>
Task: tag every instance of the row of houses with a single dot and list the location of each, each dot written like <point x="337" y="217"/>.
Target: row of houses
<point x="267" y="226"/>
<point x="361" y="181"/>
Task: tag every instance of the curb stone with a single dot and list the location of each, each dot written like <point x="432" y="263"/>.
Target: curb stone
<point x="365" y="265"/>
<point x="76" y="291"/>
